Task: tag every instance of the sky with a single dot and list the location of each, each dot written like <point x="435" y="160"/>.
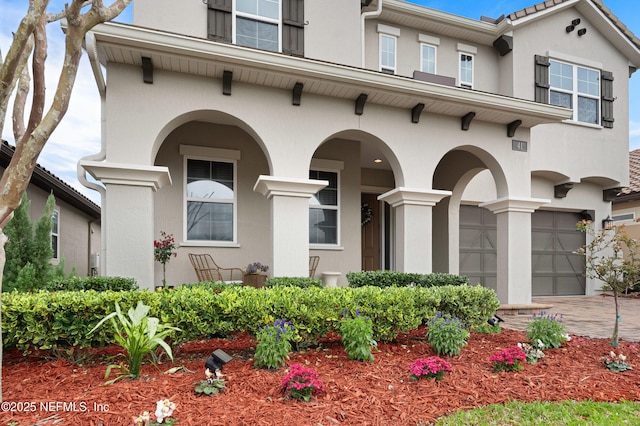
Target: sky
<point x="78" y="135"/>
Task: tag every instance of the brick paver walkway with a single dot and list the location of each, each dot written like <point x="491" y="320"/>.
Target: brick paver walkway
<point x="591" y="316"/>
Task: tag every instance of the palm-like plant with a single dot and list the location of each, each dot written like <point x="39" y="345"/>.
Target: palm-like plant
<point x="139" y="335"/>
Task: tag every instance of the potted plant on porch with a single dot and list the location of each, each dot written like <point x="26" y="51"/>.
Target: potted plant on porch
<point x="254" y="275"/>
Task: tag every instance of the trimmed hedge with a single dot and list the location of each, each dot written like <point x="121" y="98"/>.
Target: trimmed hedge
<point x="46" y="320"/>
<point x="91" y="283"/>
<point x="402" y="279"/>
<point x="302" y="282"/>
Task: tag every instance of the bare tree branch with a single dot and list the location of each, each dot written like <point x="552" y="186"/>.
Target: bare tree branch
<point x="19" y="103"/>
<point x="16" y="59"/>
<point x="38" y="61"/>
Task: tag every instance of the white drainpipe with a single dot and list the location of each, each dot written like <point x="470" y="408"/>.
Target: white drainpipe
<point x="365" y="16"/>
<point x="92" y="52"/>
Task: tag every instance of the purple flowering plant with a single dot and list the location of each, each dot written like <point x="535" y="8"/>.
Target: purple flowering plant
<point x="274" y="344"/>
<point x="356" y="331"/>
<point x="432" y="367"/>
<point x="301" y="382"/>
<point x="508" y="359"/>
<point x="256" y="268"/>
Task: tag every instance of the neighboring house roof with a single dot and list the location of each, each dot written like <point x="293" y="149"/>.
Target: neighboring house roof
<point x="632" y="192"/>
<point x="48" y="182"/>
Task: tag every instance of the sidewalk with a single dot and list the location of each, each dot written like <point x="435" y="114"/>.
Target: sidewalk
<point x="591" y="316"/>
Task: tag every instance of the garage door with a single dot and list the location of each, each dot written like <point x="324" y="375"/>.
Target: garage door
<point x="478" y="246"/>
<point x="556" y="270"/>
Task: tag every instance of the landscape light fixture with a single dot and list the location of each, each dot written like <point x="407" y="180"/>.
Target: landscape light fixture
<point x="495" y="319"/>
<point x="607" y="224"/>
<point x="217" y="360"/>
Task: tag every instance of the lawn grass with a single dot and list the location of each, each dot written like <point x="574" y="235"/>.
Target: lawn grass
<point x="564" y="413"/>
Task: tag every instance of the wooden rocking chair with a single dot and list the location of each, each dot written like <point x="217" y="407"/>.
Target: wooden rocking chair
<point x="208" y="270"/>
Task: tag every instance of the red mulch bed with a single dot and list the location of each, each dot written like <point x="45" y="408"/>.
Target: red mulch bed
<point x="358" y="393"/>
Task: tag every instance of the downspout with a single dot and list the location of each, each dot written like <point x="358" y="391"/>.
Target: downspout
<point x="92" y="52"/>
<point x="365" y="16"/>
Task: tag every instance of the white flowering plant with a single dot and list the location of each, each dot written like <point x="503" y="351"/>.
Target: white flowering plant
<point x="164" y="410"/>
<point x="533" y="353"/>
<point x="617" y="362"/>
<point x="213" y="384"/>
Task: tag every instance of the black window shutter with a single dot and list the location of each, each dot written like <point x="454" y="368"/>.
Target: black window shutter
<point x="293" y="27"/>
<point x="542" y="79"/>
<point x="606" y="90"/>
<point x="219" y="20"/>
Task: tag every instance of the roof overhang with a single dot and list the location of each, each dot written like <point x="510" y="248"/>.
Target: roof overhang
<point x="128" y="44"/>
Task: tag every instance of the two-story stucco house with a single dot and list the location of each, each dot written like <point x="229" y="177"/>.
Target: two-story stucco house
<point x="266" y="130"/>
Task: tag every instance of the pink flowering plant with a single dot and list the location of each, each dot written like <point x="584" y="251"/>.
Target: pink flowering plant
<point x="301" y="382"/>
<point x="432" y="367"/>
<point x="508" y="359"/>
<point x="163" y="250"/>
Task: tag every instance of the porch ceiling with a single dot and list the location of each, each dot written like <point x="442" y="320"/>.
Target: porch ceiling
<point x="127" y="44"/>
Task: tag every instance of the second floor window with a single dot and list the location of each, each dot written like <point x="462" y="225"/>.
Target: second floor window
<point x="576" y="88"/>
<point x="210" y="200"/>
<point x="428" y="58"/>
<point x="258" y="24"/>
<point x="387" y="54"/>
<point x="276" y="25"/>
<point x="323" y="210"/>
<point x="466" y="71"/>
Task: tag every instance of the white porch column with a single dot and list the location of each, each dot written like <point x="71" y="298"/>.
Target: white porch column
<point x="128" y="218"/>
<point x="289" y="222"/>
<point x="413" y="226"/>
<point x="514" y="247"/>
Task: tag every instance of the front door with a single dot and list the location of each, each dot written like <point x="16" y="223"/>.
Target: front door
<point x="370" y="232"/>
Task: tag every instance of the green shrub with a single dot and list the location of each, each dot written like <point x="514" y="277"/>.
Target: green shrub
<point x="403" y="279"/>
<point x="46" y="320"/>
<point x="472" y="304"/>
<point x="92" y="283"/>
<point x="301" y="282"/>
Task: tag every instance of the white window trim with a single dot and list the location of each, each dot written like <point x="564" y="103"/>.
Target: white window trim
<point x="235" y="14"/>
<point x="191" y="152"/>
<point x="466" y="49"/>
<point x="462" y="83"/>
<point x="336" y="167"/>
<point x="393" y="33"/>
<point x="382" y="67"/>
<point x="575" y="94"/>
<point x="435" y="54"/>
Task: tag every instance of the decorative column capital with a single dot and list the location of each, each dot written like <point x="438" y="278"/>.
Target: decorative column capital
<point x="154" y="177"/>
<point x="413" y="196"/>
<point x="515" y="204"/>
<point x="289" y="187"/>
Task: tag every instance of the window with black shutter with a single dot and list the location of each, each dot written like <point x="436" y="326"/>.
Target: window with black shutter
<point x="276" y="25"/>
<point x="587" y="91"/>
<point x="606" y="84"/>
